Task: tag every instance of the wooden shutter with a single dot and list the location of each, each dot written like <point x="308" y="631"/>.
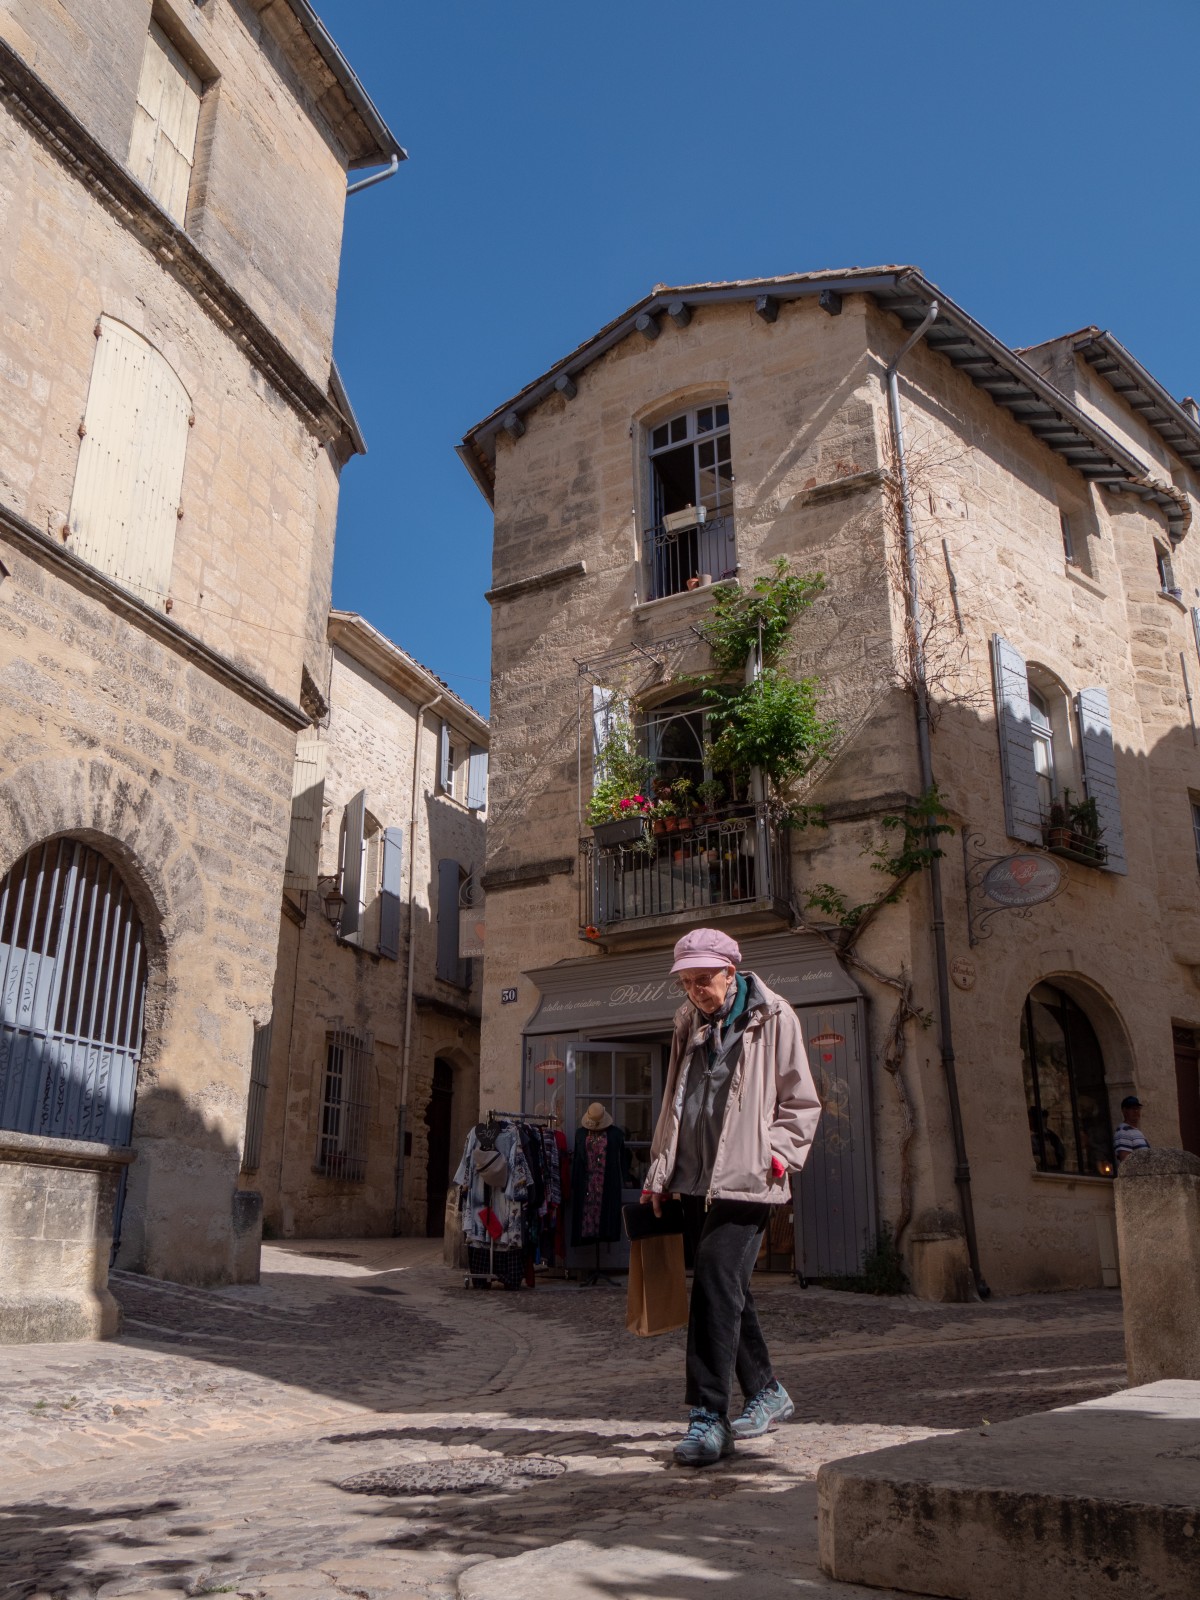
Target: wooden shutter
<point x="163" y="145"/>
<point x="1022" y="806"/>
<point x="477" y="771"/>
<point x="445" y="776"/>
<point x="308" y="796"/>
<point x="447" y="921"/>
<point x="125" y="504"/>
<point x="1196" y="627"/>
<point x="389" y="893"/>
<point x="352" y="863"/>
<point x="1100" y="771"/>
<point x="603" y="709"/>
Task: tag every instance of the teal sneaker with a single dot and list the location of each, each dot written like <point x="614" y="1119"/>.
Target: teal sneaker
<point x="709" y="1437"/>
<point x="772" y="1404"/>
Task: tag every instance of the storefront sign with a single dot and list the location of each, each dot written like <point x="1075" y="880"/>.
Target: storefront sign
<point x="962" y="972"/>
<point x="1022" y="880"/>
<point x="819" y="1039"/>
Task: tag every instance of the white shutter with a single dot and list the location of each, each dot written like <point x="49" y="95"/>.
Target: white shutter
<point x="477" y="770"/>
<point x="1100" y="771"/>
<point x="1196" y="627"/>
<point x="445" y="772"/>
<point x="603" y="710"/>
<point x="125" y="504"/>
<point x="1022" y="806"/>
<point x="308" y="795"/>
<point x="350" y="927"/>
<point x="163" y="145"/>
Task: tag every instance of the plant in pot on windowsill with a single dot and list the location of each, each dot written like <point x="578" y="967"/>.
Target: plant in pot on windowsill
<point x="1086" y="830"/>
<point x="1058" y="826"/>
<point x="620" y="801"/>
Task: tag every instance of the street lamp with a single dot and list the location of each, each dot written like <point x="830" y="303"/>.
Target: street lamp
<point x="333" y="903"/>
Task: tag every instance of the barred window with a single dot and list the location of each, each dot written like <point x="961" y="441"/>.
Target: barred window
<point x="345" y="1106"/>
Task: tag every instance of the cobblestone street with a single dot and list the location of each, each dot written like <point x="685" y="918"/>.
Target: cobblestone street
<point x="213" y="1448"/>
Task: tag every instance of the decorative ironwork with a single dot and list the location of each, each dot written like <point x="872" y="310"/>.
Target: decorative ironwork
<point x="992" y="890"/>
<point x="679" y="557"/>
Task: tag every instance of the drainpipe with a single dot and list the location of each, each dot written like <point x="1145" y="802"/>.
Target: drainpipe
<point x="962" y="1170"/>
<point x="376" y="177"/>
<point x="412" y="945"/>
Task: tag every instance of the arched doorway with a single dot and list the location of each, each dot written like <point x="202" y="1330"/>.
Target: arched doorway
<point x="439" y="1118"/>
<point x="1070" y="1123"/>
<point x="72" y="992"/>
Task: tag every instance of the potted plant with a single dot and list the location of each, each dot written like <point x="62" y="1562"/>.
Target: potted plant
<point x="710" y="793"/>
<point x="681" y="794"/>
<point x="1086" y="827"/>
<point x="1058" y="828"/>
<point x="620" y="799"/>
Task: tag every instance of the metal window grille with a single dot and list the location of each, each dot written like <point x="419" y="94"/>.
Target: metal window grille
<point x="72" y="986"/>
<point x="345" y="1106"/>
<point x="256" y="1104"/>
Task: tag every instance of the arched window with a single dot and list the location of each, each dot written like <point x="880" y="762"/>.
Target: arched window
<point x="1070" y="1128"/>
<point x="72" y="986"/>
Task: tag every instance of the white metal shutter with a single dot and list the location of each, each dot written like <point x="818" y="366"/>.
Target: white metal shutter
<point x="477" y="769"/>
<point x="308" y="796"/>
<point x="1100" y="771"/>
<point x="352" y="868"/>
<point x="125" y="504"/>
<point x="163" y="145"/>
<point x="603" y="710"/>
<point x="389" y="893"/>
<point x="445" y="775"/>
<point x="1022" y="806"/>
<point x="447" y="923"/>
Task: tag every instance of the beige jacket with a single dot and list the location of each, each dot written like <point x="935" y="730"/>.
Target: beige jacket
<point x="772" y="1110"/>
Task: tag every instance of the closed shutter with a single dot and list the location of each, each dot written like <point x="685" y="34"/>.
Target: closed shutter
<point x="389" y="893"/>
<point x="163" y="145"/>
<point x="352" y="865"/>
<point x="445" y="773"/>
<point x="603" y="711"/>
<point x="447" y="923"/>
<point x="308" y="796"/>
<point x="1022" y="807"/>
<point x="477" y="771"/>
<point x="256" y="1104"/>
<point x="1100" y="771"/>
<point x="1196" y="627"/>
<point x="128" y="483"/>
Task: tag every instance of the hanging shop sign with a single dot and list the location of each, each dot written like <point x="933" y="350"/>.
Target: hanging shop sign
<point x="997" y="883"/>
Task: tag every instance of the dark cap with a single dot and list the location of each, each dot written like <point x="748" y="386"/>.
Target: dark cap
<point x="1130" y="1100"/>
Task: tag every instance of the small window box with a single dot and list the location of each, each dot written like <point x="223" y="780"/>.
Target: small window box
<point x="689" y="517"/>
<point x="1076" y="846"/>
<point x="625" y="830"/>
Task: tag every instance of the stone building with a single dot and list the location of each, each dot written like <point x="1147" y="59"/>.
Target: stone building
<point x="173" y="183"/>
<point x="707" y="431"/>
<point x="367" y="1078"/>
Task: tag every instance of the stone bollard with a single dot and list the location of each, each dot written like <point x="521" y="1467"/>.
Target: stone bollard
<point x="939" y="1266"/>
<point x="247" y="1236"/>
<point x="1158" y="1242"/>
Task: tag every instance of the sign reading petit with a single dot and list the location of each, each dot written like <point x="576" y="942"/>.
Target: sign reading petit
<point x="1022" y="880"/>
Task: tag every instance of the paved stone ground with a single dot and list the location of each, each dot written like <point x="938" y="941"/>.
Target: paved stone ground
<point x="202" y="1451"/>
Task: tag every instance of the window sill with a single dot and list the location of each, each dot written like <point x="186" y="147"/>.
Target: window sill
<point x="1173" y="599"/>
<point x="1070" y="1179"/>
<point x="642" y="608"/>
<point x="1077" y="575"/>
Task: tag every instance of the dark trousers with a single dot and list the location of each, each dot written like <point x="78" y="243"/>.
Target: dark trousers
<point x="724" y="1336"/>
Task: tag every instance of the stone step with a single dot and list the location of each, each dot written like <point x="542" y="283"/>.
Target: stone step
<point x="1093" y="1500"/>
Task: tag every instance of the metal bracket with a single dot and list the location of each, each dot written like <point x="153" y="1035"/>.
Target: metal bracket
<point x="977" y="863"/>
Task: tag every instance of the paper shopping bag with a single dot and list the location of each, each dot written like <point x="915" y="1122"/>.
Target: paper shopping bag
<point x="658" y="1298"/>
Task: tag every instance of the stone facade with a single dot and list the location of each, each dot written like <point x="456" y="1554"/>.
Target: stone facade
<point x="159" y="728"/>
<point x="386" y="715"/>
<point x="801" y="364"/>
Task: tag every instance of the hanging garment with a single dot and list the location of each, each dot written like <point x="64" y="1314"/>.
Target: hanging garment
<point x="507" y="1204"/>
<point x="596" y="1186"/>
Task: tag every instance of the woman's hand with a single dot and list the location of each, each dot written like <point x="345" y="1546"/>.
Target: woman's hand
<point x="778" y="1170"/>
<point x="650" y="1198"/>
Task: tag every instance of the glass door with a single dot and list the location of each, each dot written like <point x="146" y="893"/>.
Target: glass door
<point x="626" y="1079"/>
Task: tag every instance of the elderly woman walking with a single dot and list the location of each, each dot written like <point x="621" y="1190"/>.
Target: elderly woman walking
<point x="738" y="1115"/>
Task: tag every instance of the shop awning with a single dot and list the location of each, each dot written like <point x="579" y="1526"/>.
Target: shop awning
<point x="635" y="994"/>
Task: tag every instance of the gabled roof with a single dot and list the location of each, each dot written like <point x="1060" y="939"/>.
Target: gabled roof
<point x="363" y="640"/>
<point x="904" y="291"/>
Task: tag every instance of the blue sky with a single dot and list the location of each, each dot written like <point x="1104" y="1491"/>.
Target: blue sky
<point x="1034" y="160"/>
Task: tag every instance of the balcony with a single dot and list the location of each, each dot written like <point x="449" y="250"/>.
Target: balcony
<point x="736" y="865"/>
<point x="679" y="557"/>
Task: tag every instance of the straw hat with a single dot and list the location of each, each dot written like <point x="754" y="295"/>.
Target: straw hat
<point x="595" y="1118"/>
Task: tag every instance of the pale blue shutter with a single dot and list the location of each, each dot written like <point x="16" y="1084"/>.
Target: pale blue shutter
<point x="389" y="893"/>
<point x="1100" y="771"/>
<point x="445" y="776"/>
<point x="1196" y="627"/>
<point x="602" y="716"/>
<point x="447" y="921"/>
<point x="477" y="771"/>
<point x="1022" y="806"/>
<point x="352" y="853"/>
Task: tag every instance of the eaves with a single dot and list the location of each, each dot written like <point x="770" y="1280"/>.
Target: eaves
<point x="364" y="643"/>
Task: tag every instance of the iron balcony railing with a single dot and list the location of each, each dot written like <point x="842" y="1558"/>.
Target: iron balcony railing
<point x="676" y="556"/>
<point x="738" y="861"/>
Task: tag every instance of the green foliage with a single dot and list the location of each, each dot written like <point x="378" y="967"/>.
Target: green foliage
<point x="1085" y="819"/>
<point x="919" y="827"/>
<point x="772" y="724"/>
<point x="740" y="616"/>
<point x="622" y="772"/>
<point x="883" y="1269"/>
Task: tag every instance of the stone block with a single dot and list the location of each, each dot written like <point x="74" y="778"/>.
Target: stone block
<point x="1158" y="1241"/>
<point x="247" y="1235"/>
<point x="939" y="1266"/>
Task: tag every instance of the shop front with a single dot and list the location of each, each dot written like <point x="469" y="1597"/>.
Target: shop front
<point x="601" y="1034"/>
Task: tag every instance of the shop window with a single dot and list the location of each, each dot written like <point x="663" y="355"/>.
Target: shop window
<point x="1070" y="1128"/>
<point x="690" y="537"/>
<point x="622" y="1082"/>
<point x="162" y="148"/>
<point x="345" y="1106"/>
<point x="125" y="504"/>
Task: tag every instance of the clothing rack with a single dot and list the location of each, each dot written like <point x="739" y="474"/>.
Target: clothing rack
<point x="492" y="1119"/>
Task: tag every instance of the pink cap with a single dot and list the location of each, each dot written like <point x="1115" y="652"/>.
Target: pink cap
<point x="706" y="947"/>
